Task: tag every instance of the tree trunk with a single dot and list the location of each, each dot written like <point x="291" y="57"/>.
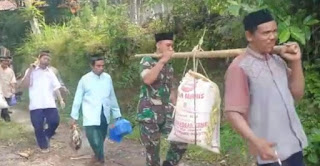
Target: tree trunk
<point x="135" y="6"/>
<point x="34" y="21"/>
<point x="35" y="26"/>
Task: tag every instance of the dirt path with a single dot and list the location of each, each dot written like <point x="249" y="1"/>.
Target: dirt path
<point x="127" y="153"/>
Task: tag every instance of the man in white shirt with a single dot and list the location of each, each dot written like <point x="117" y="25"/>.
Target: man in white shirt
<point x="63" y="89"/>
<point x="43" y="86"/>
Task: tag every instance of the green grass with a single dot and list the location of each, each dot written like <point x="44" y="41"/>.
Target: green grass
<point x="11" y="131"/>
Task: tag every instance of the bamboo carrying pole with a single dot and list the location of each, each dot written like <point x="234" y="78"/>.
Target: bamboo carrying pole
<point x="206" y="54"/>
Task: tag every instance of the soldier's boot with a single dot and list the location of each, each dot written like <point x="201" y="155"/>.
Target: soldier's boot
<point x="166" y="163"/>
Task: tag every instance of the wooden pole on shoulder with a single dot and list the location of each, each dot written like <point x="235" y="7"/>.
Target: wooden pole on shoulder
<point x="206" y="54"/>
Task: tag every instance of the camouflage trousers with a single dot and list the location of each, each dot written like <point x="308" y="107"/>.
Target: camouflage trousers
<point x="151" y="128"/>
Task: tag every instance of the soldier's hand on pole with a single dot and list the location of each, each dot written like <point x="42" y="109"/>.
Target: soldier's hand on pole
<point x="166" y="56"/>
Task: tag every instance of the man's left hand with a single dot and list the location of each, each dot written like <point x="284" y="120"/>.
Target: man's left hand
<point x="118" y="118"/>
<point x="113" y="124"/>
<point x="62" y="104"/>
<point x="291" y="51"/>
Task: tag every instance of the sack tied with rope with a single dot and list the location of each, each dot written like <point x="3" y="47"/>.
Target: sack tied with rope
<point x="197" y="112"/>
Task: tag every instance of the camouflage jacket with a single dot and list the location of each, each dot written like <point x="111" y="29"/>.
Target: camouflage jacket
<point x="159" y="91"/>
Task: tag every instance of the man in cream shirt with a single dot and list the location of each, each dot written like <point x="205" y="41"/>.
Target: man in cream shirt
<point x="7" y="84"/>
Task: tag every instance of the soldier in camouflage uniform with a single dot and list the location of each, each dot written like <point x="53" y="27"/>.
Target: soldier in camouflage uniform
<point x="155" y="113"/>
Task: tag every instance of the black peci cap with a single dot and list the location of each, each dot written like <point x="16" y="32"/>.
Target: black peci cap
<point x="163" y="36"/>
<point x="252" y="20"/>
